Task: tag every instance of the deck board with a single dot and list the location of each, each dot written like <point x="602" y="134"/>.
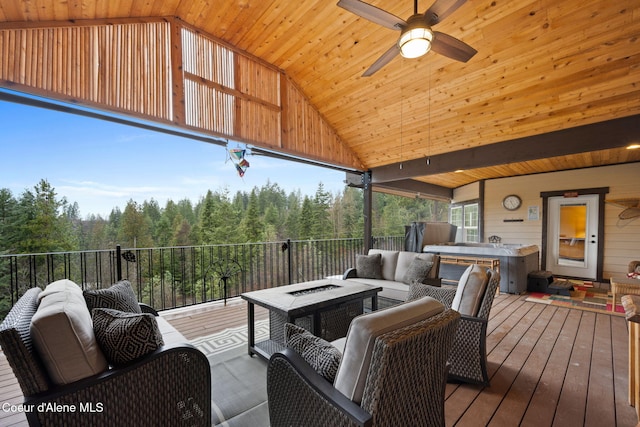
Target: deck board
<point x="600" y="405"/>
<point x="555" y="356"/>
<point x="571" y="405"/>
<point x="620" y="346"/>
<point x="506" y="360"/>
<point x="514" y="404"/>
<point x="548" y="365"/>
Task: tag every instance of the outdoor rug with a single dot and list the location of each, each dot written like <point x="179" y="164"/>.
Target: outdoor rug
<point x="583" y="297"/>
<point x="230" y="338"/>
<point x="238" y="381"/>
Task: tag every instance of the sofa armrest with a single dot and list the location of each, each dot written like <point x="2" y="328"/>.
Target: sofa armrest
<point x="298" y="395"/>
<point x="147" y="309"/>
<point x="350" y="273"/>
<point x="170" y="386"/>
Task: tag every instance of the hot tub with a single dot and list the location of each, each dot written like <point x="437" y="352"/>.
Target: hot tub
<point x="516" y="261"/>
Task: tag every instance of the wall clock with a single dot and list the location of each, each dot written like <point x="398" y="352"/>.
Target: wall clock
<point x="511" y="202"/>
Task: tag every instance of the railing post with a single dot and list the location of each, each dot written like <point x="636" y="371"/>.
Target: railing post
<point x="13" y="283"/>
<point x="290" y="267"/>
<point x="367" y="210"/>
<point x="118" y="263"/>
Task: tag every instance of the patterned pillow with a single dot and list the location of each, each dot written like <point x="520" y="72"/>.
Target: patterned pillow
<point x="124" y="337"/>
<point x="118" y="297"/>
<point x="319" y="354"/>
<point x="417" y="271"/>
<point x="369" y="266"/>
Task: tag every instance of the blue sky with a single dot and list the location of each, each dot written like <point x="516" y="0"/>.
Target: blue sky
<point x="100" y="165"/>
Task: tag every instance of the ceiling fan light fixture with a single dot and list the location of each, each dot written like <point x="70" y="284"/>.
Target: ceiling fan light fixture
<point x="416" y="38"/>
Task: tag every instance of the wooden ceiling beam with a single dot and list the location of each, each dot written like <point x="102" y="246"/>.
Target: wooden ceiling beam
<point x="614" y="133"/>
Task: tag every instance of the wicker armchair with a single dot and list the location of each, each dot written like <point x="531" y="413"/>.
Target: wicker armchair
<point x="405" y="383"/>
<point x="468" y="357"/>
<point x="171" y="386"/>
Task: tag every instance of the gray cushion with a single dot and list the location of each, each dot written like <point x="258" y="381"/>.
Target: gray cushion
<point x="319" y="354"/>
<point x="63" y="336"/>
<point x="389" y="261"/>
<point x="390" y="289"/>
<point x="125" y="337"/>
<point x="369" y="266"/>
<point x="119" y="296"/>
<point x="470" y="292"/>
<point x="363" y="331"/>
<point x="418" y="271"/>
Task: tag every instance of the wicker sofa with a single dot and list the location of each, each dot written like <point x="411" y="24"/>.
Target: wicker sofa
<point x="168" y="386"/>
<point x="392" y="276"/>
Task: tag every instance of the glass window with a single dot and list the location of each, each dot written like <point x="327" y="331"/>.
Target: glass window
<point x="456" y="216"/>
<point x="466" y="218"/>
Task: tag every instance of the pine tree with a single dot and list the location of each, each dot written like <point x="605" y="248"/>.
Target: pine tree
<point x="207" y="219"/>
<point x="252" y="226"/>
<point x="182" y="232"/>
<point x="322" y="227"/>
<point x="307" y="219"/>
<point x="291" y="225"/>
<point x="8" y="217"/>
<point x="135" y="230"/>
<point x="41" y="227"/>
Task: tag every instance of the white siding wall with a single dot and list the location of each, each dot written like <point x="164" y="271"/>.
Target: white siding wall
<point x="466" y="192"/>
<point x="622" y="237"/>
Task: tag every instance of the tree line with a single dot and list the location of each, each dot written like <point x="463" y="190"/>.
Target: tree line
<point x="39" y="221"/>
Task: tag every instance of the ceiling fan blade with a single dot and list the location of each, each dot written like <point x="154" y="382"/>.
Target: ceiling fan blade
<point x="383" y="60"/>
<point x="441" y="9"/>
<point x="373" y="14"/>
<point x="451" y="47"/>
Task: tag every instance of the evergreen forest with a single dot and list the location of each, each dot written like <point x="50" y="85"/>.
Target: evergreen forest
<point x="39" y="221"/>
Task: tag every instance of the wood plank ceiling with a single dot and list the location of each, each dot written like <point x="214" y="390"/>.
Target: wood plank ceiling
<point x="542" y="66"/>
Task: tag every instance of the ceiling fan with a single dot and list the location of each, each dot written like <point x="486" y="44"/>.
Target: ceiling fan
<point x="416" y="37"/>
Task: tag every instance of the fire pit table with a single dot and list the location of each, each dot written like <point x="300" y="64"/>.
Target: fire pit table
<point x="323" y="307"/>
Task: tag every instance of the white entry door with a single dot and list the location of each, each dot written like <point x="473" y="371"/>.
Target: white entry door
<point x="572" y="240"/>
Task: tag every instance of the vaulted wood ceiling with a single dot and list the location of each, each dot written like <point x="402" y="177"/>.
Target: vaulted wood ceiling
<point x="542" y="66"/>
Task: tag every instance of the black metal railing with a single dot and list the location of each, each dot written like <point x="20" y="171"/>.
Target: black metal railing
<point x="179" y="276"/>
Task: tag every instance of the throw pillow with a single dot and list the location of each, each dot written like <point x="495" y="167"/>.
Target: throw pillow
<point x="419" y="290"/>
<point x="417" y="271"/>
<point x="125" y="337"/>
<point x="318" y="353"/>
<point x="369" y="266"/>
<point x="119" y="296"/>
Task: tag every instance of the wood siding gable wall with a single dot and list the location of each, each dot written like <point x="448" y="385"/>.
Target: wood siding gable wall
<point x="165" y="71"/>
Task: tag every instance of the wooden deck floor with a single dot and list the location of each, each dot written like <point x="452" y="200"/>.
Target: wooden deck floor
<point x="549" y="366"/>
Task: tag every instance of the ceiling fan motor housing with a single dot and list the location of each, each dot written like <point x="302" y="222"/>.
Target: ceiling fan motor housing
<point x="416" y="37"/>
